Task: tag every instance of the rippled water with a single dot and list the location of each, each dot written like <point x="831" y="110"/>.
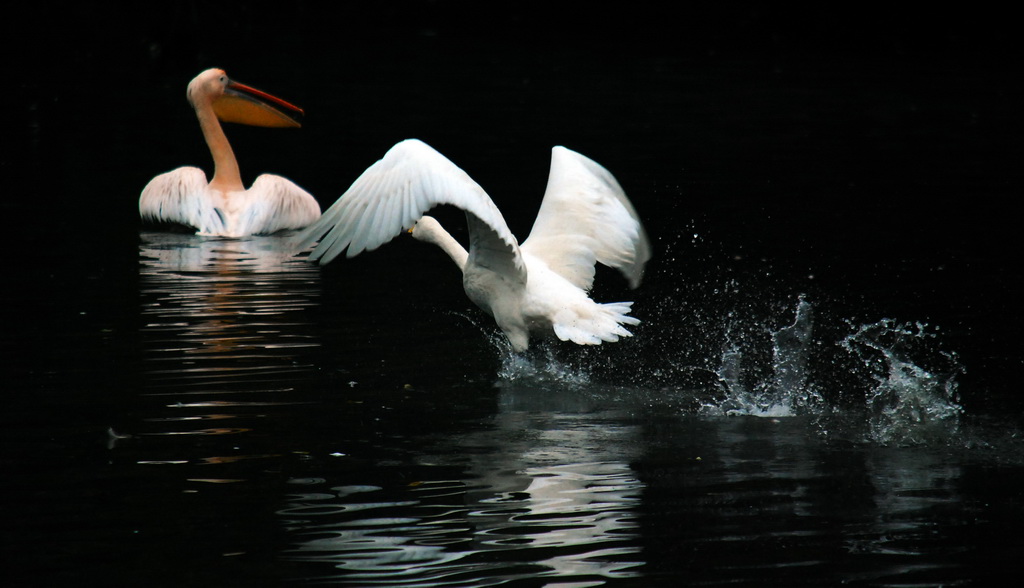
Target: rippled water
<point x="258" y="445"/>
<point x="220" y="313"/>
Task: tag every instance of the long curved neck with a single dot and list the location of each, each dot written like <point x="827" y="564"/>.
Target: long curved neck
<point x="226" y="176"/>
<point x="456" y="251"/>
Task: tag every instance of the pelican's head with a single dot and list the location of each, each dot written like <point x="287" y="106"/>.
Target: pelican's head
<point x="238" y="103"/>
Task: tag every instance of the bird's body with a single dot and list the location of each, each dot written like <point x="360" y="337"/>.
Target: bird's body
<point x="223" y="206"/>
<point x="538" y="288"/>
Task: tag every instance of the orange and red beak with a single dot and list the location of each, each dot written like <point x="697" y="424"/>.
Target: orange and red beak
<point x="247" y="105"/>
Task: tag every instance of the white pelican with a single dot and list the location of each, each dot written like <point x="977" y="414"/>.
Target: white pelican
<point x="223" y="206"/>
<point x="539" y="287"/>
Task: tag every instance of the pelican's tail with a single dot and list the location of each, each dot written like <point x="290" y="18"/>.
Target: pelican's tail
<point x="601" y="322"/>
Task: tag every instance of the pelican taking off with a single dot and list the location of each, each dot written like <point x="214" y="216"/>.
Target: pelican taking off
<point x="538" y="287"/>
<point x="223" y="206"/>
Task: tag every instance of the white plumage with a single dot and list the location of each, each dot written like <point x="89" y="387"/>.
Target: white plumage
<point x="223" y="206"/>
<point x="539" y="287"/>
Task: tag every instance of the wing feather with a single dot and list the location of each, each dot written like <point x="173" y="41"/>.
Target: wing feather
<point x="180" y="196"/>
<point x="391" y="195"/>
<point x="277" y="204"/>
<point x="585" y="217"/>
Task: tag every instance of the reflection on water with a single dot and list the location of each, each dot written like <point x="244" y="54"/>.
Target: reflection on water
<point x="537" y="496"/>
<point x="222" y="312"/>
<point x="588" y="486"/>
<point x="221" y="317"/>
<point x="571" y="522"/>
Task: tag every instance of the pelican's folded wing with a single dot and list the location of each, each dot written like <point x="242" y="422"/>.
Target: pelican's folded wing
<point x="180" y="196"/>
<point x="586" y="217"/>
<point x="391" y="195"/>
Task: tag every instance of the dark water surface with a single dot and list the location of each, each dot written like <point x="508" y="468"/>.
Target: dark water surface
<point x="824" y="389"/>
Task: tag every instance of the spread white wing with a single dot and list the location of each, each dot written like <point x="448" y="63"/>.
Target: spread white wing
<point x="395" y="192"/>
<point x="180" y="196"/>
<point x="275" y="204"/>
<point x="586" y="217"/>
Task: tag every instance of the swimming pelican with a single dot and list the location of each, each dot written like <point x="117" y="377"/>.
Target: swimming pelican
<point x="538" y="287"/>
<point x="223" y="206"/>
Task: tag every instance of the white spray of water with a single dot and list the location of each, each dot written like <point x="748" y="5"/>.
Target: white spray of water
<point x="787" y="392"/>
<point x="768" y="373"/>
<point x="539" y="366"/>
<point x="905" y="402"/>
<point x="908" y="404"/>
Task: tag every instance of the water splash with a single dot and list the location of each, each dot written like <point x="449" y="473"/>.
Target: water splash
<point x="910" y="402"/>
<point x="904" y="386"/>
<point x="786" y="391"/>
<point x="540" y="365"/>
<point x="881" y="382"/>
<point x="789" y="357"/>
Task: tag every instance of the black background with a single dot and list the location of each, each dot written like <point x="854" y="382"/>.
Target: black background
<point x="868" y="152"/>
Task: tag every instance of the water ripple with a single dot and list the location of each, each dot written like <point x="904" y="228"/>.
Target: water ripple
<point x="576" y="520"/>
<point x="223" y="316"/>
